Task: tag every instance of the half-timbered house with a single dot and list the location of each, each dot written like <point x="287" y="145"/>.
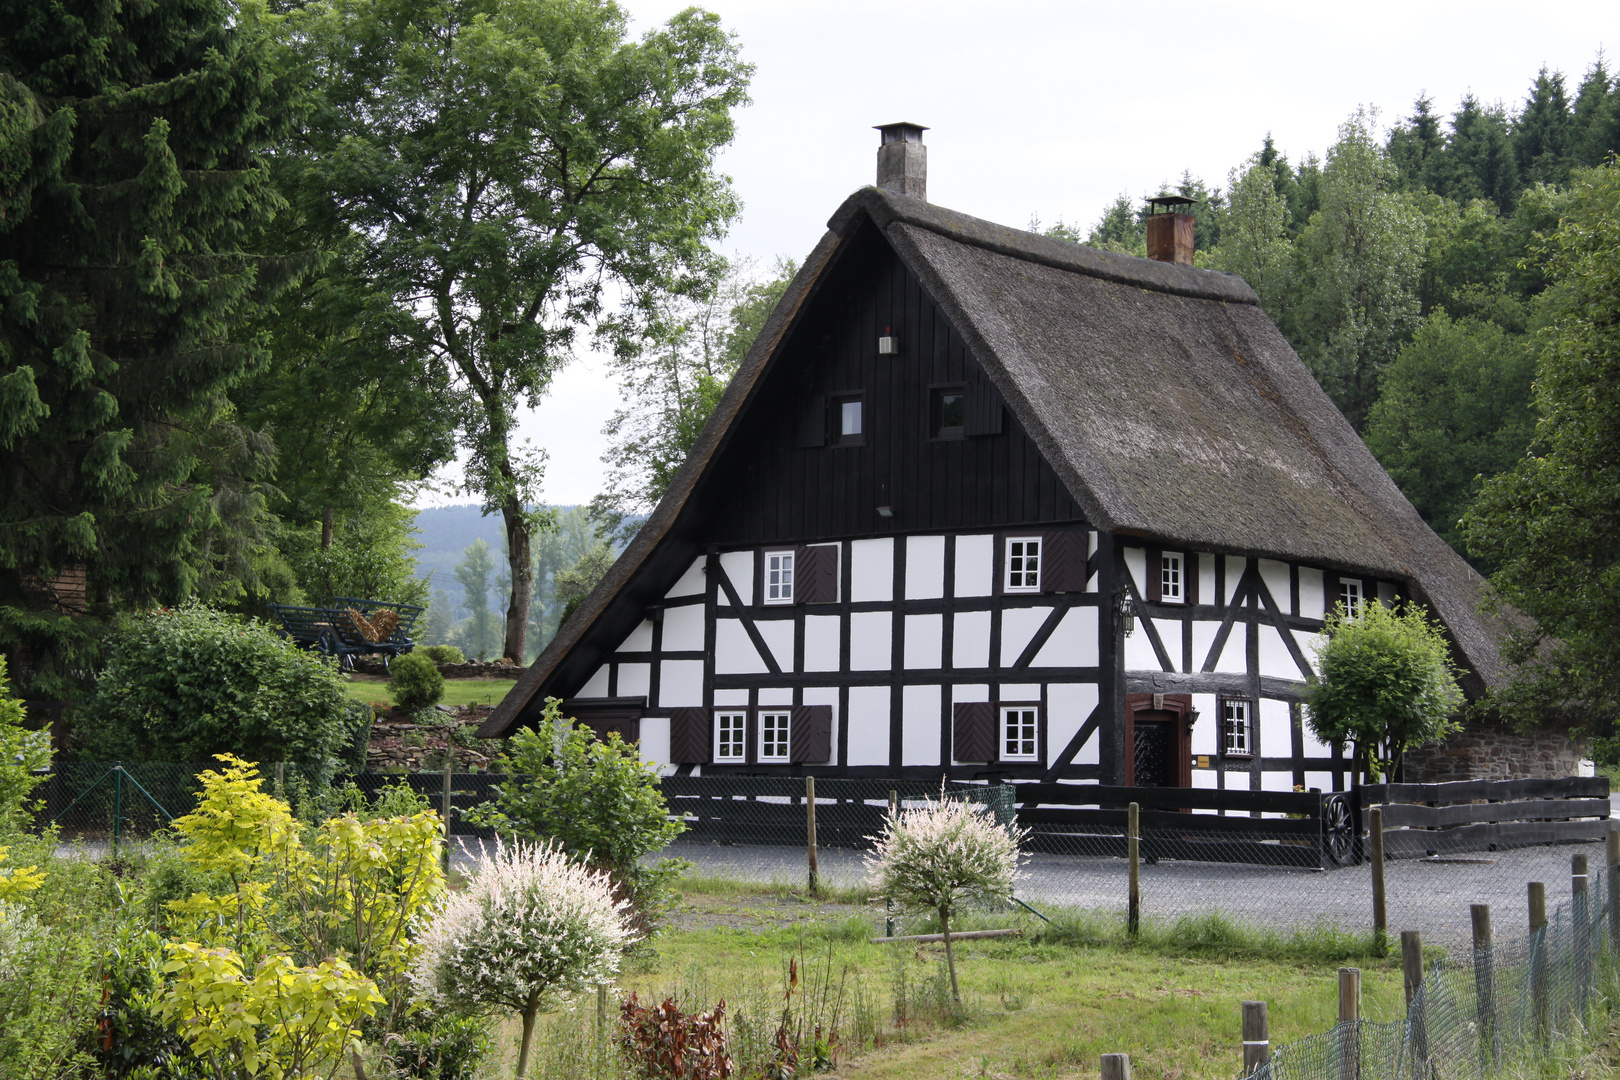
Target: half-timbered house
<point x="986" y="504"/>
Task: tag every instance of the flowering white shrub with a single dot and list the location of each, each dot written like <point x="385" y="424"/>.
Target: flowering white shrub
<point x="936" y="857"/>
<point x="530" y="930"/>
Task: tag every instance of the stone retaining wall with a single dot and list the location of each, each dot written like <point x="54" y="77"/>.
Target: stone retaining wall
<point x="1494" y="752"/>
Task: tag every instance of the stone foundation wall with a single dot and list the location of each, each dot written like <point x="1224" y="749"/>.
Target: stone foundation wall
<point x="1493" y="752"/>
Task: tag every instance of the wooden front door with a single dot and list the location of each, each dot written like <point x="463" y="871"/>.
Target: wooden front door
<point x="1158" y="740"/>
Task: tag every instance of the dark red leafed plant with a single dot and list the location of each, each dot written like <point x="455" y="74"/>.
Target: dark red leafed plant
<point x="666" y="1044"/>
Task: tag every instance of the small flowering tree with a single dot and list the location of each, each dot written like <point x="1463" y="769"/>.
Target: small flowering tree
<point x="530" y="930"/>
<point x="935" y="858"/>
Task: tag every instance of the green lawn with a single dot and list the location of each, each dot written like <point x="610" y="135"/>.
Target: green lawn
<point x="372" y="689"/>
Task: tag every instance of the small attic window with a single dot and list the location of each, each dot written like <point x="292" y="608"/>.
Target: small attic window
<point x="849" y="420"/>
<point x="1350" y="597"/>
<point x="948" y="412"/>
<point x="1172" y="579"/>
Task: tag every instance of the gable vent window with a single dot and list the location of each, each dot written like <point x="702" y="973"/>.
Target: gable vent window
<point x="948" y="409"/>
<point x="1172" y="580"/>
<point x="849" y="420"/>
<point x="1236" y="738"/>
<point x="730" y="736"/>
<point x="1350" y="597"/>
<point x="1018" y="729"/>
<point x="773" y="735"/>
<point x="1024" y="564"/>
<point x="779" y="577"/>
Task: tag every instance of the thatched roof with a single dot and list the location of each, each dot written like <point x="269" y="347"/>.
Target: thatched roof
<point x="1163" y="397"/>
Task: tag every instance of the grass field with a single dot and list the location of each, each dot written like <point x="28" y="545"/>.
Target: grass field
<point x="372" y="689"/>
<point x="1046" y="1005"/>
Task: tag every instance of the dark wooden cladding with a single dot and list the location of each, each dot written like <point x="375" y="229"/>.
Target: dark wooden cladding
<point x="1410" y="815"/>
<point x="973" y="731"/>
<point x="780" y="484"/>
<point x="1109" y="796"/>
<point x="1465" y="791"/>
<point x="817" y="575"/>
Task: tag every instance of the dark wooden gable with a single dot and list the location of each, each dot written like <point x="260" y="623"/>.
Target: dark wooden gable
<point x="779" y="482"/>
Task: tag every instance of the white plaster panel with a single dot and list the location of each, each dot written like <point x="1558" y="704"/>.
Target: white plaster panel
<point x="1206" y="732"/>
<point x="1067" y="707"/>
<point x="1235" y="656"/>
<point x="1307" y="645"/>
<point x="1074" y="642"/>
<point x="1310" y="593"/>
<point x="970" y="692"/>
<point x="1276" y="734"/>
<point x="1139" y="654"/>
<point x="1204" y="779"/>
<point x="683" y="628"/>
<point x="919" y="732"/>
<point x="1020" y="691"/>
<point x="975" y="565"/>
<point x="680" y="684"/>
<point x="871" y="641"/>
<point x="732" y="698"/>
<point x="925" y="567"/>
<point x="871" y="570"/>
<point x="1234" y="574"/>
<point x="869" y="725"/>
<point x="925" y="640"/>
<point x="1206" y="579"/>
<point x="821" y="634"/>
<point x="739" y="568"/>
<point x="1136" y="563"/>
<point x="970" y="641"/>
<point x="1203" y="631"/>
<point x="640" y="639"/>
<point x="778" y="635"/>
<point x="1018" y="625"/>
<point x="1276" y="781"/>
<point x="655" y="740"/>
<point x="1170" y="637"/>
<point x="1275" y="659"/>
<point x="634" y="679"/>
<point x="775" y="695"/>
<point x="734" y="652"/>
<point x="1322" y="780"/>
<point x="1314" y="747"/>
<point x="1275" y="576"/>
<point x="597" y="684"/>
<point x="691" y="583"/>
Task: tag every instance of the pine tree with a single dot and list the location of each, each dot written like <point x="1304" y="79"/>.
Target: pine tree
<point x="1414" y="140"/>
<point x="1478" y="161"/>
<point x="131" y="192"/>
<point x="1595" y="126"/>
<point x="1541" y="132"/>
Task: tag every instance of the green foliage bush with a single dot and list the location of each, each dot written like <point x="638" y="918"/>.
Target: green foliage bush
<point x="189" y="683"/>
<point x="416" y="682"/>
<point x="22" y="752"/>
<point x="48" y="995"/>
<point x="444" y="1047"/>
<point x="443" y="654"/>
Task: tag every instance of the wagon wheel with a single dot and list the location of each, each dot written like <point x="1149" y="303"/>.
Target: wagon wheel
<point x="1338" y="831"/>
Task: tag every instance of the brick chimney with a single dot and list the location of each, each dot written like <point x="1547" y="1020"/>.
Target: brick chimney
<point x="903" y="160"/>
<point x="1170" y="229"/>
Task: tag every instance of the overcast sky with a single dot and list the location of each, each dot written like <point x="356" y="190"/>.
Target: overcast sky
<point x="1054" y="109"/>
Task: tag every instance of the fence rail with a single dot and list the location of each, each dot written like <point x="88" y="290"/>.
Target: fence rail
<point x="1489" y="815"/>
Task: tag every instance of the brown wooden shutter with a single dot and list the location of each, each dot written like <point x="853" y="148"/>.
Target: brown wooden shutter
<point x="973" y="731"/>
<point x="810" y="738"/>
<point x="1189" y="576"/>
<point x="1063" y="562"/>
<point x="817" y="575"/>
<point x="1154" y="575"/>
<point x="691" y="741"/>
<point x="812" y="422"/>
<point x="983" y="409"/>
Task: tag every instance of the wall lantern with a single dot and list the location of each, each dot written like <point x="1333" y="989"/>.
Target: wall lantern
<point x="885" y="512"/>
<point x="888" y="344"/>
<point x="1126" y="612"/>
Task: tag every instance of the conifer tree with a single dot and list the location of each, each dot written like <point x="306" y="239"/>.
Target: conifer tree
<point x="131" y="190"/>
<point x="1595" y="126"/>
<point x="1414" y="141"/>
<point x="1541" y="132"/>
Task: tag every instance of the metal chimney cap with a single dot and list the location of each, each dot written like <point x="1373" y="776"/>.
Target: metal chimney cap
<point x="1171" y="204"/>
<point x="901" y="131"/>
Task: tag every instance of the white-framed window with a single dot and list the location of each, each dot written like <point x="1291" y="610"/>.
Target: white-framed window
<point x="1019" y="732"/>
<point x="1350" y="596"/>
<point x="773" y="735"/>
<point x="779" y="577"/>
<point x="730" y="737"/>
<point x="1023" y="564"/>
<point x="1172" y="579"/>
<point x="1236" y="734"/>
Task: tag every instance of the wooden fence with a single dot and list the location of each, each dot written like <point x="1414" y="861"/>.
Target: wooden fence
<point x="1484" y="815"/>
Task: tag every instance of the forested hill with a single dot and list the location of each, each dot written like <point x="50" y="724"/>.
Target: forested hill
<point x="444" y="533"/>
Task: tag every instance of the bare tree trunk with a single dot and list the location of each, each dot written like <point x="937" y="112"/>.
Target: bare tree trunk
<point x="326" y="528"/>
<point x="520" y="569"/>
<point x="528" y="1037"/>
<point x="950" y="958"/>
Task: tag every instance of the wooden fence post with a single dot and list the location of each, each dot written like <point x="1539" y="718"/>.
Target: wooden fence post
<point x="1538" y="956"/>
<point x="1256" y="1036"/>
<point x="1116" y="1067"/>
<point x="1376" y="857"/>
<point x="281" y="780"/>
<point x="1134" y="852"/>
<point x="1484" y="976"/>
<point x="810" y="832"/>
<point x="1580" y="922"/>
<point x="888" y="905"/>
<point x="1412" y="971"/>
<point x="444" y="803"/>
<point x="1611" y="852"/>
<point x="1349" y="1023"/>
